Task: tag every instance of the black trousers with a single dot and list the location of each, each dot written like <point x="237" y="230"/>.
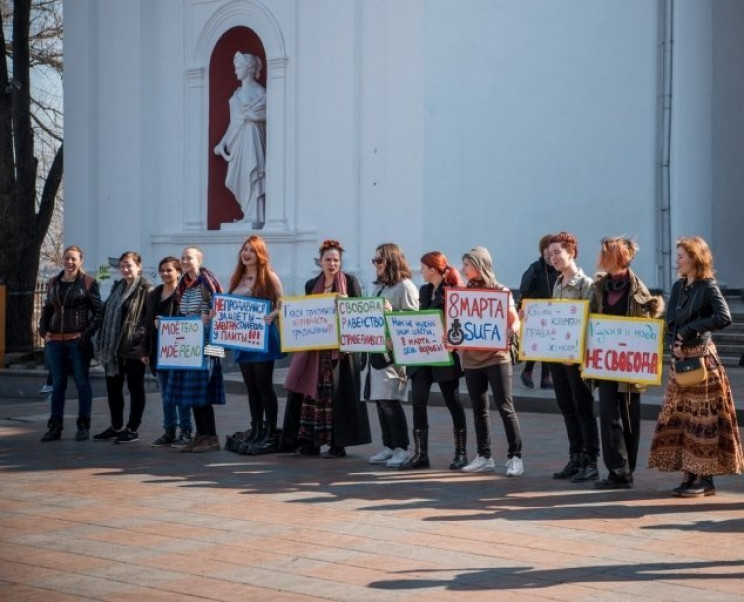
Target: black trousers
<point x="499" y="377"/>
<point x="421" y="383"/>
<point x="544" y="368"/>
<point x="204" y="420"/>
<point x="620" y="425"/>
<point x="134" y="373"/>
<point x="259" y="380"/>
<point x="576" y="402"/>
<point x="393" y="423"/>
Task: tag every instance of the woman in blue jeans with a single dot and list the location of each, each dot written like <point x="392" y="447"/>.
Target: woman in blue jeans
<point x="161" y="302"/>
<point x="69" y="319"/>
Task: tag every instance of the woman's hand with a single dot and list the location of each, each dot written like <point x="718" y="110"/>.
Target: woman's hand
<point x="677" y="350"/>
<point x="387" y="306"/>
<point x="145" y="360"/>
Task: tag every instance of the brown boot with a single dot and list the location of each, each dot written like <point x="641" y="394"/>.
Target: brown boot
<point x="189" y="447"/>
<point x="209" y="443"/>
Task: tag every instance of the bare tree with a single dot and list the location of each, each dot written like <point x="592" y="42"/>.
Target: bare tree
<point x="31" y="163"/>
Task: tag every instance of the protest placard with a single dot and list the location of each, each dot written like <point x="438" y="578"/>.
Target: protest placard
<point x="238" y="323"/>
<point x="553" y="330"/>
<point x="181" y="344"/>
<point x="361" y="325"/>
<point x="417" y="338"/>
<point x="623" y="349"/>
<point x="476" y="318"/>
<point x="308" y="323"/>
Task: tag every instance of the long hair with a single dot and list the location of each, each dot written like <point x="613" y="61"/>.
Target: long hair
<point x="616" y="253"/>
<point x="437" y="261"/>
<point x="79" y="251"/>
<point x="699" y="252"/>
<point x="396" y="266"/>
<point x="263" y="287"/>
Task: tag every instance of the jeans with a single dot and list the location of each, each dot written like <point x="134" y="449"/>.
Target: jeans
<point x="421" y="383"/>
<point x="499" y="377"/>
<point x="393" y="424"/>
<point x="59" y="354"/>
<point x="620" y="424"/>
<point x="173" y="415"/>
<point x="576" y="402"/>
<point x="134" y="372"/>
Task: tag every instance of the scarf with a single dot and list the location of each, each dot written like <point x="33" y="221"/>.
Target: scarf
<point x="205" y="278"/>
<point x="108" y="338"/>
<point x="303" y="373"/>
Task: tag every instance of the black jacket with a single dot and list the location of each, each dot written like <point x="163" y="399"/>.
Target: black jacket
<point x="149" y="345"/>
<point x="79" y="310"/>
<point x="537" y="281"/>
<point x="695" y="311"/>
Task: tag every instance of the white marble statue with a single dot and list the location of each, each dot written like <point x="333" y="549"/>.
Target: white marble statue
<point x="244" y="144"/>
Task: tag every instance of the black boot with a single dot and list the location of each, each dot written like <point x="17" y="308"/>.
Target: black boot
<point x="420" y="457"/>
<point x="460" y="459"/>
<point x="570" y="469"/>
<point x="269" y="444"/>
<point x="589" y="471"/>
<point x="257" y="434"/>
<point x="702" y="486"/>
<point x="687" y="481"/>
<point x="83" y="432"/>
<point x="55" y="430"/>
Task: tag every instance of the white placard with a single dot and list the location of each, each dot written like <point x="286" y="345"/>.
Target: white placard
<point x="476" y="318"/>
<point x="417" y="338"/>
<point x="180" y="344"/>
<point x="361" y="324"/>
<point x="553" y="330"/>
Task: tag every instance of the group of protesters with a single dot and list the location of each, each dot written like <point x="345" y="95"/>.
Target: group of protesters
<point x="696" y="432"/>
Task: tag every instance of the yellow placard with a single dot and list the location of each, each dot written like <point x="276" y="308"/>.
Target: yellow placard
<point x="553" y="330"/>
<point x="308" y="323"/>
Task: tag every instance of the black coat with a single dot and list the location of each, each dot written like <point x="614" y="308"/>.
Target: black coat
<point x="695" y="311"/>
<point x="149" y="346"/>
<point x="538" y="281"/>
<point x="350" y="418"/>
<point x="438" y="373"/>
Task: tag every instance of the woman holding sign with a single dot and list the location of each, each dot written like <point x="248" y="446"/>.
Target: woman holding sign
<point x="199" y="390"/>
<point x="494" y="368"/>
<point x="696" y="431"/>
<point x="437" y="274"/>
<point x="574" y="396"/>
<point x="323" y="407"/>
<point x="386" y="383"/>
<point x="254" y="278"/>
<point x="619" y="292"/>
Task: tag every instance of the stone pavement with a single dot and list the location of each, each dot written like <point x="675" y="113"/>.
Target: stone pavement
<point x="99" y="521"/>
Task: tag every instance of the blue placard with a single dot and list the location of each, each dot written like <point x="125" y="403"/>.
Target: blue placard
<point x="238" y="323"/>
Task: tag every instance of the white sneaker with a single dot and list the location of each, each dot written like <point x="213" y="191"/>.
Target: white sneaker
<point x="480" y="464"/>
<point x="382" y="457"/>
<point x="514" y="467"/>
<point x="399" y="458"/>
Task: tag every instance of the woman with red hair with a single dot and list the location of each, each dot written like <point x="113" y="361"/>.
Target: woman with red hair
<point x="696" y="431"/>
<point x="253" y="277"/>
<point x="618" y="291"/>
<point x="437" y="274"/>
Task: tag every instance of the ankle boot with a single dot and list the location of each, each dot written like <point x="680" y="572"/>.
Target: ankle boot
<point x="687" y="480"/>
<point x="269" y="444"/>
<point x="83" y="432"/>
<point x="702" y="486"/>
<point x="588" y="470"/>
<point x="420" y="457"/>
<point x="460" y="460"/>
<point x="55" y="430"/>
<point x="258" y="434"/>
<point x="570" y="469"/>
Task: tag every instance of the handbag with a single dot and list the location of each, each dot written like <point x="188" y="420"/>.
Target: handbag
<point x="514" y="349"/>
<point x="690" y="372"/>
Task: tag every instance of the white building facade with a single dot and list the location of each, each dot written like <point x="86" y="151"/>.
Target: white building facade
<point x="432" y="124"/>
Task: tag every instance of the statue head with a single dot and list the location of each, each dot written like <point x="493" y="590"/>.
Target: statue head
<point x="249" y="63"/>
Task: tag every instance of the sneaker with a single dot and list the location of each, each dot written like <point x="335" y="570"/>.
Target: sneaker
<point x="399" y="457"/>
<point x="183" y="439"/>
<point x="127" y="436"/>
<point x="480" y="464"/>
<point x="382" y="457"/>
<point x="588" y="473"/>
<point x="527" y="381"/>
<point x="107" y="435"/>
<point x="46" y="389"/>
<point x="614" y="482"/>
<point x="168" y="437"/>
<point x="514" y="467"/>
<point x="83" y="434"/>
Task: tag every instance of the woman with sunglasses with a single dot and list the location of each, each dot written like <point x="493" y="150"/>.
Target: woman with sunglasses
<point x="387" y="385"/>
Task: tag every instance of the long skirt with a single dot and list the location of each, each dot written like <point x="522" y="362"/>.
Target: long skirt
<point x="316" y="415"/>
<point x="697" y="430"/>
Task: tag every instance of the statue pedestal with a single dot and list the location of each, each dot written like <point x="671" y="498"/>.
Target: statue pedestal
<point x="239" y="227"/>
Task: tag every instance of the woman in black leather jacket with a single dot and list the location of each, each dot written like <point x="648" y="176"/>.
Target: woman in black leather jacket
<point x="119" y="343"/>
<point x="696" y="431"/>
<point x="69" y="319"/>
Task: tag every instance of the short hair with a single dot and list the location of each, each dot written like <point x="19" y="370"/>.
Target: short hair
<point x="567" y="241"/>
<point x="133" y="255"/>
<point x="544" y="243"/>
<point x="700" y="253"/>
<point x="170" y="259"/>
<point x="616" y="253"/>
